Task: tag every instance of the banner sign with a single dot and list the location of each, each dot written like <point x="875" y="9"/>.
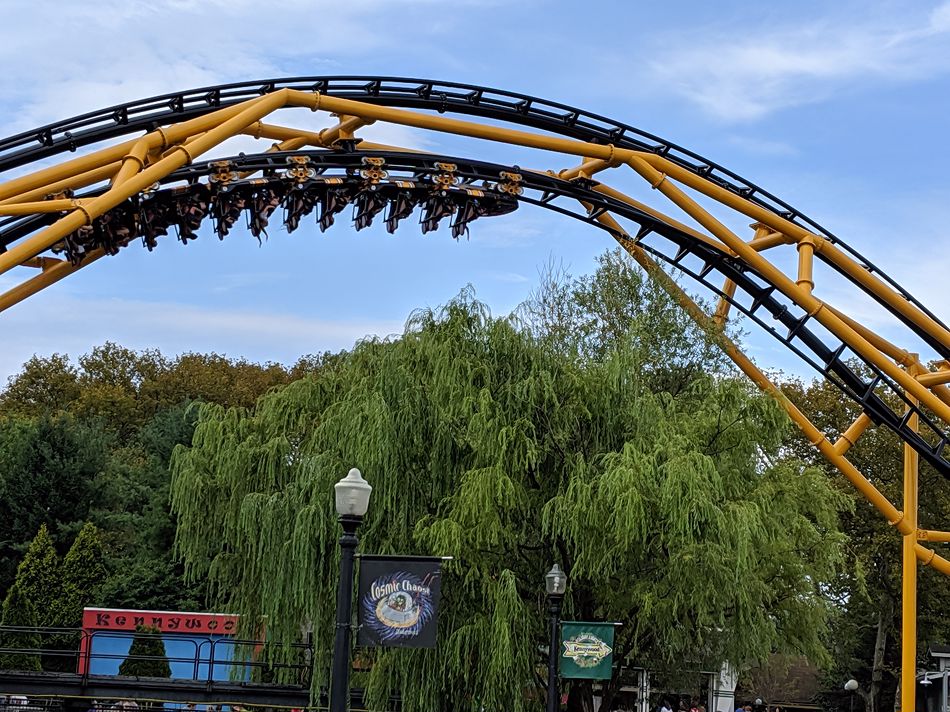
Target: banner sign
<point x="399" y="601"/>
<point x="587" y="650"/>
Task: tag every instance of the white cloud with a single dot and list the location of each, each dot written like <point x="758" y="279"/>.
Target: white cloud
<point x="509" y="277"/>
<point x="761" y="146"/>
<point x="742" y="78"/>
<point x="61" y="59"/>
<point x="48" y="324"/>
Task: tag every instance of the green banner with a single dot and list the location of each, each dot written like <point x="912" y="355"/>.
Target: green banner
<point x="587" y="650"/>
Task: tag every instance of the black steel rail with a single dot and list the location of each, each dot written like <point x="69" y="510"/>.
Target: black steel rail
<point x="186" y="198"/>
<point x="106" y="687"/>
<point x="424" y="94"/>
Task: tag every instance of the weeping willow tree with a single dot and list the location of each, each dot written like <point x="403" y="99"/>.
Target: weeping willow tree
<point x="596" y="429"/>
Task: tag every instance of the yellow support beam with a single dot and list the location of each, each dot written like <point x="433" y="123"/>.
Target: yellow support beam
<point x="909" y="575"/>
<point x="851" y="435"/>
<point x="804" y="299"/>
<point x="806" y="253"/>
<point x="81" y="180"/>
<point x="935" y="536"/>
<point x="50" y="275"/>
<point x="640" y="161"/>
<point x="724" y="305"/>
<point x="178" y="156"/>
<point x="43" y="206"/>
<point x="757" y="376"/>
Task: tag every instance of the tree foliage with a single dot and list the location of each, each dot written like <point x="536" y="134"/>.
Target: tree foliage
<point x="46" y="465"/>
<point x="865" y="630"/>
<point x="38" y="578"/>
<point x="570" y="434"/>
<point x="146" y="656"/>
<point x="18" y="611"/>
<point x="91" y="441"/>
<point x="83" y="575"/>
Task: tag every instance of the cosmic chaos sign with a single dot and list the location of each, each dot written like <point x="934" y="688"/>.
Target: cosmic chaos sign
<point x="399" y="601"/>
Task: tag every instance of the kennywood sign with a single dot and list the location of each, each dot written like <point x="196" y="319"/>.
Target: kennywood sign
<point x="587" y="650"/>
<point x="164" y="621"/>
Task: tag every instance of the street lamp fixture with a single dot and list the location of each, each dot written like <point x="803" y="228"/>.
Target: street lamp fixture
<point x="555" y="583"/>
<point x="352" y="501"/>
<point x="352" y="495"/>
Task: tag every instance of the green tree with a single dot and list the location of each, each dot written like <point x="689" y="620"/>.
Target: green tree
<point x="46" y="465"/>
<point x="91" y="441"/>
<point x="18" y="611"/>
<point x="44" y="385"/>
<point x="146" y="655"/>
<point x="83" y="575"/>
<point x="654" y="479"/>
<point x="39" y="578"/>
<point x="865" y="629"/>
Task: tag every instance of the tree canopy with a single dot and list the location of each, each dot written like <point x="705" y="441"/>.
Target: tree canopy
<point x="89" y="441"/>
<point x="865" y="629"/>
<point x="146" y="656"/>
<point x="596" y="430"/>
<point x="18" y="611"/>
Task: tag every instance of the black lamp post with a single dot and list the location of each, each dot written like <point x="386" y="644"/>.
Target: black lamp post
<point x="851" y="686"/>
<point x="555" y="582"/>
<point x="352" y="501"/>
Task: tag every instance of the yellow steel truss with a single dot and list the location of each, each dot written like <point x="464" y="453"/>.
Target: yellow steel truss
<point x="133" y="166"/>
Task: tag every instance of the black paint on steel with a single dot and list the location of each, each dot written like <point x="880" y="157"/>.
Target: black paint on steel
<point x="425" y="94"/>
<point x="882" y="399"/>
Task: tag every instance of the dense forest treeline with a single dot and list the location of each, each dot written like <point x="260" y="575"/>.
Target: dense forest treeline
<point x="91" y="441"/>
<point x="88" y="448"/>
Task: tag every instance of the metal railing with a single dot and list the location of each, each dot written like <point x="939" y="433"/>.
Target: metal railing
<point x="73" y="650"/>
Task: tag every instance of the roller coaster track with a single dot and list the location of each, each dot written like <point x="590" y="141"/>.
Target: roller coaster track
<point x="61" y="218"/>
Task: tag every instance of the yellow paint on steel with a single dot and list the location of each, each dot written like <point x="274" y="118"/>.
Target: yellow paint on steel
<point x="343" y="130"/>
<point x="177" y="157"/>
<point x="757" y="376"/>
<point x="806" y="279"/>
<point x="259" y="129"/>
<point x="851" y="435"/>
<point x="928" y="557"/>
<point x="42" y="263"/>
<point x="724" y="305"/>
<point x="899" y="355"/>
<point x="81" y="180"/>
<point x="50" y="275"/>
<point x="936" y="378"/>
<point x="765" y="238"/>
<point x="115" y="153"/>
<point x="611" y="153"/>
<point x="834" y="255"/>
<point x="586" y="169"/>
<point x="658" y="179"/>
<point x="814" y="307"/>
<point x="605" y="189"/>
<point x="931" y="535"/>
<point x="909" y="574"/>
<point x="43" y="206"/>
<point x="133" y="161"/>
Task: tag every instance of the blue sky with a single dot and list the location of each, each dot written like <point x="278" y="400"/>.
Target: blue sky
<point x="839" y="108"/>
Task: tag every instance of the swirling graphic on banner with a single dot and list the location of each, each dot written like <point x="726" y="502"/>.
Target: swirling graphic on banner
<point x="398" y="606"/>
